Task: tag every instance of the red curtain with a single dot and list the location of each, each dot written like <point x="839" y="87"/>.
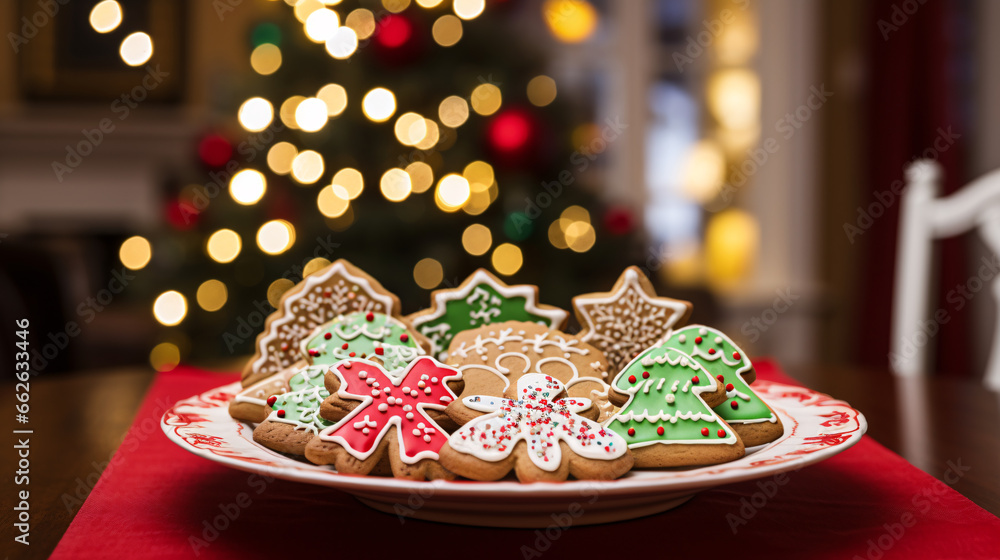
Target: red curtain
<point x="914" y="87"/>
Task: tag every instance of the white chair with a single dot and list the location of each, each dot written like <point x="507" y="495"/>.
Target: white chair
<point x="925" y="217"/>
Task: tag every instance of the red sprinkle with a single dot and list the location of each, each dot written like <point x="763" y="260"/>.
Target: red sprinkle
<point x="281" y="413"/>
<point x="721" y="433"/>
<point x="659" y="430"/>
<point x="734" y="404"/>
<point x="351" y="355"/>
<point x="631" y="379"/>
<point x="645" y="375"/>
<point x="695" y="380"/>
<point x="344" y="346"/>
<point x="380" y="351"/>
<point x="729" y="387"/>
<point x="284" y="346"/>
<point x="697" y="340"/>
<point x="631" y="431"/>
<point x="328" y="336"/>
<point x="404" y="337"/>
<point x="370" y="316"/>
<point x="721" y="377"/>
<point x="271" y="400"/>
<point x="327" y="293"/>
<point x="711" y="350"/>
<point x="314" y="352"/>
<point x="704" y="431"/>
<point x="736" y="355"/>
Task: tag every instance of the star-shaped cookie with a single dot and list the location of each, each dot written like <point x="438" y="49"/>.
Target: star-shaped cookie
<point x="628" y="319"/>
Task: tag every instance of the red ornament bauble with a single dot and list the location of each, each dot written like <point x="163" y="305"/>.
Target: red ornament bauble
<point x="619" y="220"/>
<point x="214" y="150"/>
<point x="510" y="131"/>
<point x="393" y="31"/>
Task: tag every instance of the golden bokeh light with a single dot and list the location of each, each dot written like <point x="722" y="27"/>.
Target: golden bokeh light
<point x="275" y="237"/>
<point x="307" y="167"/>
<point x="429" y="3"/>
<point x="395" y="6"/>
<point x="224" y="245"/>
<point x="738" y="40"/>
<point x="255" y="114"/>
<point x="541" y="91"/>
<point x="410" y="129"/>
<point x="280" y="157"/>
<point x="478" y="203"/>
<point x="335" y="98"/>
<point x="557" y="235"/>
<point x="212" y="295"/>
<point x="428" y="273"/>
<point x="732" y="238"/>
<point x="362" y="21"/>
<point x="135" y="252"/>
<point x="507" y="259"/>
<point x="575" y="214"/>
<point x="468" y="9"/>
<point x="453" y="111"/>
<point x="431" y="137"/>
<point x="395" y="185"/>
<point x="351" y="181"/>
<point x="332" y="202"/>
<point x="278" y="289"/>
<point x="164" y="356"/>
<point x="106" y="16"/>
<point x="452" y="192"/>
<point x="287" y="111"/>
<point x="570" y="21"/>
<point x="477" y="239"/>
<point x="379" y="104"/>
<point x="704" y="171"/>
<point x="486" y="99"/>
<point x="447" y="30"/>
<point x="305" y="8"/>
<point x="321" y="24"/>
<point x="314" y="266"/>
<point x="734" y="98"/>
<point x="311" y="114"/>
<point x="266" y="59"/>
<point x="421" y="176"/>
<point x="580" y="236"/>
<point x="136" y="49"/>
<point x="247" y="186"/>
<point x="170" y="308"/>
<point x="479" y="174"/>
<point x="342" y="43"/>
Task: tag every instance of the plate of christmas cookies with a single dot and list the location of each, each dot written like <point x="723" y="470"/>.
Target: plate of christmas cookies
<point x="483" y="410"/>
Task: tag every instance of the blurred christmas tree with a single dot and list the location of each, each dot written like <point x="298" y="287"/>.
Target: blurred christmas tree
<point x="420" y="141"/>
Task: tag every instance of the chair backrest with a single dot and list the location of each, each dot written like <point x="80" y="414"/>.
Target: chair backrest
<point x="924" y="218"/>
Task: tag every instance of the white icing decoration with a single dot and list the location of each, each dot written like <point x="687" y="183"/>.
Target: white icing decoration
<point x="663" y="416"/>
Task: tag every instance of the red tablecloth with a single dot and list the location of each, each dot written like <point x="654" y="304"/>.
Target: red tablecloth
<point x="158" y="501"/>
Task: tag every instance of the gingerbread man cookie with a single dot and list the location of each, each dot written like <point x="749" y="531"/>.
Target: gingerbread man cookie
<point x="482" y="299"/>
<point x="391" y="420"/>
<point x="744" y="410"/>
<point x="536" y="431"/>
<point x="666" y="415"/>
<point x="628" y="319"/>
<point x="493" y="357"/>
<point x="337" y="289"/>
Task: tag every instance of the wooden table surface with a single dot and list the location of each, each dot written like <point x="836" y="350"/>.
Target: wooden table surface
<point x="80" y="419"/>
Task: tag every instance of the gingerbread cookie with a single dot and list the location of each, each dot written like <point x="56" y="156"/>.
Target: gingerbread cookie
<point x="482" y="299"/>
<point x="294" y="419"/>
<point x="744" y="411"/>
<point x="391" y="420"/>
<point x="338" y="289"/>
<point x="536" y="431"/>
<point x="628" y="319"/>
<point x="666" y="415"/>
<point x="365" y="335"/>
<point x="250" y="405"/>
<point x="493" y="357"/>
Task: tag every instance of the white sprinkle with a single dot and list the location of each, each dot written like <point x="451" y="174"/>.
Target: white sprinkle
<point x="427" y="438"/>
<point x="416" y="432"/>
<point x="673" y="388"/>
<point x="670" y="398"/>
<point x="718" y="340"/>
<point x="682" y="338"/>
<point x="703" y="331"/>
<point x="383" y="407"/>
<point x="659" y="386"/>
<point x="409" y="416"/>
<point x="407" y="408"/>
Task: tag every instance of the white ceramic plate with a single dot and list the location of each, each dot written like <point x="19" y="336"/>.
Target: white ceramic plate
<point x="816" y="427"/>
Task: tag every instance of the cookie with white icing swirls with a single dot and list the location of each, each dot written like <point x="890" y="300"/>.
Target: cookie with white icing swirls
<point x="493" y="357"/>
<point x="536" y="431"/>
<point x="250" y="405"/>
<point x="338" y="289"/>
<point x="293" y="418"/>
